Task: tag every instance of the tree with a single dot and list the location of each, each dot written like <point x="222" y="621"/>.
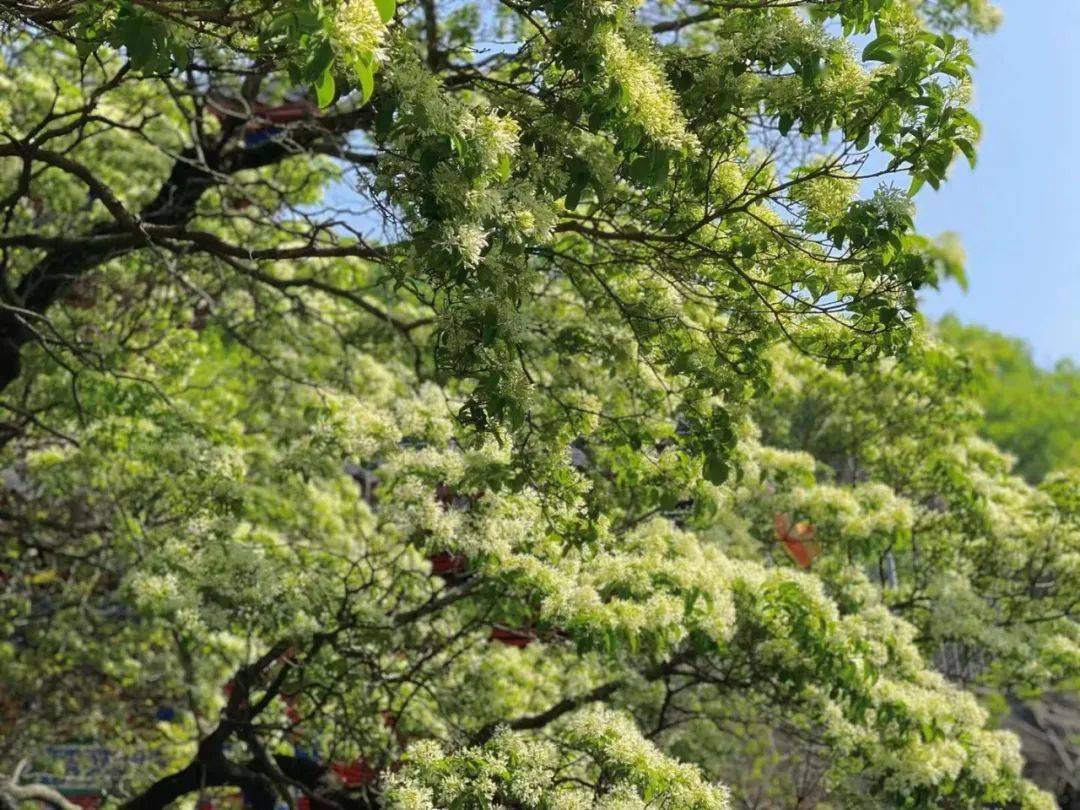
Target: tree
<point x="1029" y="411"/>
<point x="419" y="413"/>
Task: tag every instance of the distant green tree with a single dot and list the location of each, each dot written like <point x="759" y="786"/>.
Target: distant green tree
<point x="1032" y="412"/>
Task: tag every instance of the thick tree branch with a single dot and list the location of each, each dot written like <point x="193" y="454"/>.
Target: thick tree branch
<point x="34" y="792"/>
<point x="565" y="706"/>
<point x="603" y="692"/>
<point x="264" y="778"/>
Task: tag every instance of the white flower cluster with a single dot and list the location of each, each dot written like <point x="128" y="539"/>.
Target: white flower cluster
<point x="357" y="29"/>
<point x="514" y="770"/>
<point x="469" y="240"/>
<point x="648" y="98"/>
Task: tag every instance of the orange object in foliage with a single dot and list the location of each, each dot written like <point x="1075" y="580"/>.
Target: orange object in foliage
<point x="797" y="539"/>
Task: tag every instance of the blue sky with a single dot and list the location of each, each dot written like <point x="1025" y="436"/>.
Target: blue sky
<point x="1018" y="212"/>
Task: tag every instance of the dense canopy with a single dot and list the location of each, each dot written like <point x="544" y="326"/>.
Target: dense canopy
<point x="1029" y="411"/>
<point x="509" y="404"/>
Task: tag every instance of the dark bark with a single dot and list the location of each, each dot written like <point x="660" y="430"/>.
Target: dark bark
<point x="174" y="205"/>
<point x="261" y="779"/>
<point x="167" y="790"/>
<point x="257" y="785"/>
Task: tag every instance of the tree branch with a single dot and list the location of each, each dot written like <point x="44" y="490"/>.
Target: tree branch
<point x="34" y="792"/>
<point x="195" y="171"/>
<point x="567" y="705"/>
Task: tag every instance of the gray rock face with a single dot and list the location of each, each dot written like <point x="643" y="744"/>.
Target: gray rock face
<point x="1049" y="730"/>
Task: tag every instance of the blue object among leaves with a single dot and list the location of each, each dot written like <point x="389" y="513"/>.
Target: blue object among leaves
<point x="260" y="137"/>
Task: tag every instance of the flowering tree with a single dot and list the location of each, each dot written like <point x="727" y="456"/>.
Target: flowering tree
<point x="379" y="390"/>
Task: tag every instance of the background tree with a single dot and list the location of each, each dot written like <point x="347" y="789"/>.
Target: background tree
<point x="1030" y="411"/>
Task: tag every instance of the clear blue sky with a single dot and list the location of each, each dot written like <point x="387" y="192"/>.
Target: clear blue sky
<point x="1018" y="213"/>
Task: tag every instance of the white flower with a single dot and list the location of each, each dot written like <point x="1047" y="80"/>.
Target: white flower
<point x="357" y="27"/>
<point x="469" y="240"/>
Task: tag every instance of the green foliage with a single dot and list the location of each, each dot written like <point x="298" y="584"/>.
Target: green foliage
<point x="311" y="40"/>
<point x="1033" y="413"/>
<point x="224" y="523"/>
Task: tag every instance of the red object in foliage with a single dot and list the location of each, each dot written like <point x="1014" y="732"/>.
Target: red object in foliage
<point x="446" y="562"/>
<point x="798" y="540"/>
<point x="86" y="801"/>
<point x="357" y="774"/>
<point x="288" y="112"/>
<point x="231" y="801"/>
<point x="290" y="711"/>
<point x="511" y="637"/>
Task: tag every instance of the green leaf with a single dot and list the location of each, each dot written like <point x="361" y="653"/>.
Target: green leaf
<point x="386" y="9"/>
<point x="954" y="69"/>
<point x="181" y="55"/>
<point x="630" y="137"/>
<point x="883" y="49"/>
<point x="715" y="468"/>
<point x="505" y="167"/>
<point x="810" y="69"/>
<point x="85" y="48"/>
<point x="281" y="22"/>
<point x="573" y="194"/>
<point x="325" y="89"/>
<point x="660" y="166"/>
<point x="297" y="19"/>
<point x="968" y="148"/>
<point x="320" y="62"/>
<point x="384" y="118"/>
<point x="137" y="39"/>
<point x="690" y="599"/>
<point x="365" y="75"/>
<point x="641" y="170"/>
